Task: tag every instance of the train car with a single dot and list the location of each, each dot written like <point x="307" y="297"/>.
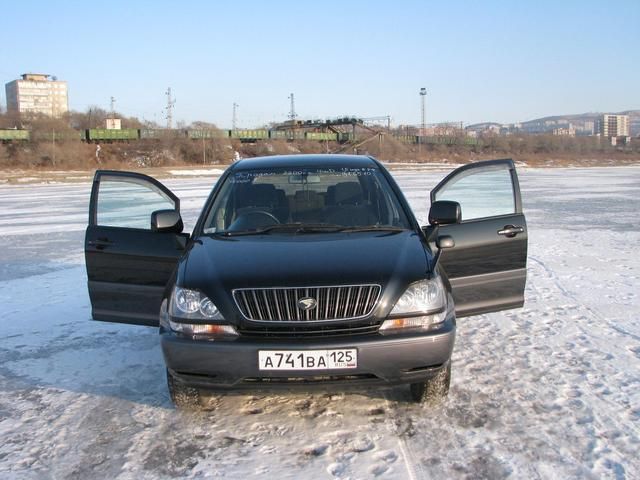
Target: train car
<point x="278" y="135"/>
<point x="207" y="133"/>
<point x="104" y="134"/>
<point x="296" y="134"/>
<point x="289" y="134"/>
<point x="250" y="135"/>
<point x="150" y="133"/>
<point x="321" y="136"/>
<point x="57" y="136"/>
<point x="406" y="138"/>
<point x="446" y="140"/>
<point x="13" y="135"/>
<point x="158" y="133"/>
<point x="344" y="137"/>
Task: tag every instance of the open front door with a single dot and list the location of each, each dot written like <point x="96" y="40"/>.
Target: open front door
<point x="128" y="263"/>
<point x="487" y="267"/>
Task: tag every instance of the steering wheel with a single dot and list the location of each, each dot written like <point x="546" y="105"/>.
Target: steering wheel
<point x="253" y="220"/>
<point x="264" y="213"/>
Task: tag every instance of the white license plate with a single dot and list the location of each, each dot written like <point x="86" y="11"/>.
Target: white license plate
<point x="307" y="359"/>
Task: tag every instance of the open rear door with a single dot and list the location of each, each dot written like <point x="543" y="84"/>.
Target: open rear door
<point x="487" y="267"/>
<point x="128" y="264"/>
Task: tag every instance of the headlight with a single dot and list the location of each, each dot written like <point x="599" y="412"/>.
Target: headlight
<point x="185" y="305"/>
<point x="425" y="296"/>
<point x="192" y="305"/>
<point x="424" y="303"/>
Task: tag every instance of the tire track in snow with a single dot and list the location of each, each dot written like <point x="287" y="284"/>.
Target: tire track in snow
<point x="408" y="457"/>
<point x="551" y="275"/>
<point x="556" y="281"/>
<point x="600" y="407"/>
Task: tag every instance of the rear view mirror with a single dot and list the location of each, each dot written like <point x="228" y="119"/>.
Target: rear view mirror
<point x="444" y="212"/>
<point x="304" y="178"/>
<point x="166" y="221"/>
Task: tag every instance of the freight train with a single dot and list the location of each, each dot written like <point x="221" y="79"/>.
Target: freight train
<point x="129" y="134"/>
<point x="103" y="135"/>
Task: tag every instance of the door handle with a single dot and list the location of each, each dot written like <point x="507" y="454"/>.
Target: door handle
<point x="100" y="243"/>
<point x="511" y="231"/>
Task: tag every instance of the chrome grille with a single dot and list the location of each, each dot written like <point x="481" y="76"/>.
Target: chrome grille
<point x="332" y="303"/>
<point x="308" y="330"/>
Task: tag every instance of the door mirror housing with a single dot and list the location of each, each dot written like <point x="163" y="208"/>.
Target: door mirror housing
<point x="445" y="212"/>
<point x="166" y="221"/>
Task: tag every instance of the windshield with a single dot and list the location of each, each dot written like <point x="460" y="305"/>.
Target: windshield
<point x="305" y="199"/>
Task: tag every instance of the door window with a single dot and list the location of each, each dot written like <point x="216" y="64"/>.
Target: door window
<point x="129" y="202"/>
<point x="481" y="192"/>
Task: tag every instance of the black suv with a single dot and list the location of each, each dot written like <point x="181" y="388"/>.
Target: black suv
<point x="306" y="270"/>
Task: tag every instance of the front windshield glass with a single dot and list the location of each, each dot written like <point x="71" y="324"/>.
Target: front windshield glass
<point x="278" y="198"/>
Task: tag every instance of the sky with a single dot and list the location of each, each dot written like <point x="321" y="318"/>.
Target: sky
<point x="503" y="61"/>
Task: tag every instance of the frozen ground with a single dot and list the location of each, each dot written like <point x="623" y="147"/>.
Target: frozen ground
<point x="548" y="391"/>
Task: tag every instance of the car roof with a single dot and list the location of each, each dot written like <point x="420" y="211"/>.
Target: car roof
<point x="299" y="161"/>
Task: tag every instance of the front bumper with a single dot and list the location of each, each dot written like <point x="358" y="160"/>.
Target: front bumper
<point x="382" y="360"/>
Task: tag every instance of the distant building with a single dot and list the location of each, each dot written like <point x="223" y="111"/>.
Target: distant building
<point x="587" y="127"/>
<point x="37" y="93"/>
<point x="613" y="125"/>
<point x="113" y="124"/>
<point x="565" y="132"/>
<point x="485" y="128"/>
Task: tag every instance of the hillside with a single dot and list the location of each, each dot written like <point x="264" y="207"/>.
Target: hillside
<point x="559" y="121"/>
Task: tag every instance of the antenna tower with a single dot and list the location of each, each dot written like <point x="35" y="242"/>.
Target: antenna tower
<point x="170" y="103"/>
<point x="234" y="119"/>
<point x="292" y="112"/>
<point x="423" y="96"/>
<point x="423" y="126"/>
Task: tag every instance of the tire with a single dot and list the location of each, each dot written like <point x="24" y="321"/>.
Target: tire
<point x="182" y="396"/>
<point x="433" y="390"/>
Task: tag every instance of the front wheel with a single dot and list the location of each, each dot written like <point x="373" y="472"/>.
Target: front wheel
<point x="182" y="396"/>
<point x="433" y="390"/>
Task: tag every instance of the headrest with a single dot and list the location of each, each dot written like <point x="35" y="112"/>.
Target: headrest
<point x="305" y="194"/>
<point x="348" y="193"/>
<point x="260" y="195"/>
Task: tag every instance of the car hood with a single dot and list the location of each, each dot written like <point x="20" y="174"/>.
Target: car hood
<point x="216" y="265"/>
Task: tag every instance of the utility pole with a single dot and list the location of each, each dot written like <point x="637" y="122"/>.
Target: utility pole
<point x="423" y="95"/>
<point x="170" y="103"/>
<point x="292" y="112"/>
<point x="234" y="119"/>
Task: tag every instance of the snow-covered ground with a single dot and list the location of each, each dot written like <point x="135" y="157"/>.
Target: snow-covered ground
<point x="548" y="391"/>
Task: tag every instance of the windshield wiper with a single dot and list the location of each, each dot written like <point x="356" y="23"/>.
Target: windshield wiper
<point x="294" y="227"/>
<point x="373" y="228"/>
<point x="311" y="228"/>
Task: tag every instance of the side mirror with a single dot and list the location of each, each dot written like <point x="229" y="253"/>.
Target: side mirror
<point x="445" y="212"/>
<point x="442" y="242"/>
<point x="166" y="221"/>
